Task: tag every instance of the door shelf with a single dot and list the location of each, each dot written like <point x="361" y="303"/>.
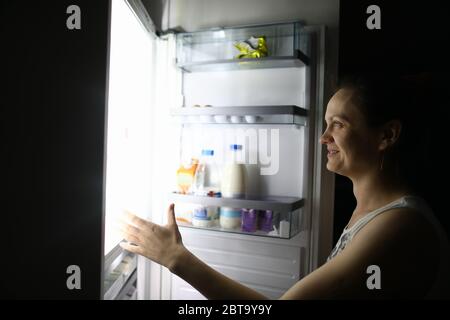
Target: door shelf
<point x="296" y="61"/>
<point x="274" y="203"/>
<point x="216" y="227"/>
<point x="283" y="114"/>
<point x="117" y="273"/>
<point x="276" y="217"/>
<point x="215" y="49"/>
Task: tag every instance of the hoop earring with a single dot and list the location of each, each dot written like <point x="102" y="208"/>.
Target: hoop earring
<point x="382" y="161"/>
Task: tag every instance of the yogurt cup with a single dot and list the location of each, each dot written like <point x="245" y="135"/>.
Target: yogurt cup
<point x="251" y="119"/>
<point x="206" y="119"/>
<point x="230" y="218"/>
<point x="236" y="119"/>
<point x="220" y="118"/>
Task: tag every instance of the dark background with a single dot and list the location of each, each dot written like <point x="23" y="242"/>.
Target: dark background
<point x="412" y="40"/>
<point x="52" y="121"/>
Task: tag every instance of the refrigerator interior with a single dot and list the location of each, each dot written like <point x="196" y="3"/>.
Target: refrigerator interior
<point x="268" y="265"/>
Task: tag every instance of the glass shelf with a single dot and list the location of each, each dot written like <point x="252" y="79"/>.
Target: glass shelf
<point x="275" y="203"/>
<point x="214" y="50"/>
<point x="245" y="64"/>
<point x="216" y="227"/>
<point x="242" y="115"/>
<point x="274" y="216"/>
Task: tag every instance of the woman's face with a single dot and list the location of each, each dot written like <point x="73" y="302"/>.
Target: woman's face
<point x="353" y="147"/>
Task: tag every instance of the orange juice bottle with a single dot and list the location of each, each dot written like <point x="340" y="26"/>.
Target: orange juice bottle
<point x="185" y="176"/>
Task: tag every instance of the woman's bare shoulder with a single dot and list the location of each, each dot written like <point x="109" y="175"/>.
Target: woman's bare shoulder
<point x="400" y="243"/>
<point x="407" y="225"/>
<point x="404" y="243"/>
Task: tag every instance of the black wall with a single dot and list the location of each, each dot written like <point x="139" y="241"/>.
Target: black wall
<point x="52" y="120"/>
<point x="412" y="40"/>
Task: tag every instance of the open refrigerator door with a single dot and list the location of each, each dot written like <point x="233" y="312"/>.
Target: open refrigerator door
<point x="142" y="146"/>
<point x="128" y="152"/>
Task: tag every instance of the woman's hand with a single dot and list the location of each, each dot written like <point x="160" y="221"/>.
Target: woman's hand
<point x="161" y="244"/>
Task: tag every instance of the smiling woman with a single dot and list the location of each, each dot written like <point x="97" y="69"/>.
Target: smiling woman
<point x="373" y="138"/>
<point x="367" y="127"/>
<point x="373" y="123"/>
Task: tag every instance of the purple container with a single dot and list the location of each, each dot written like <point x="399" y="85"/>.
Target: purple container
<point x="249" y="220"/>
<point x="266" y="220"/>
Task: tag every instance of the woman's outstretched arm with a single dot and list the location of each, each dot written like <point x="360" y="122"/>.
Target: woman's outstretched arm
<point x="390" y="242"/>
<point x="163" y="244"/>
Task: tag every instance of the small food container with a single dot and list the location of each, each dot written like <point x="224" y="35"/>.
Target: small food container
<point x="265" y="222"/>
<point x="205" y="217"/>
<point x="251" y="119"/>
<point x="230" y="218"/>
<point x="221" y="118"/>
<point x="206" y="119"/>
<point x="249" y="220"/>
<point x="236" y="119"/>
<point x="192" y="119"/>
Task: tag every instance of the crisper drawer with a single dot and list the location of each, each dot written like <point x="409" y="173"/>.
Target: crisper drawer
<point x="268" y="267"/>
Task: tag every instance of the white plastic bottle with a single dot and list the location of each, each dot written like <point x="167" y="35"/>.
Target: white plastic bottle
<point x="213" y="175"/>
<point x="206" y="183"/>
<point x="198" y="182"/>
<point x="207" y="175"/>
<point x="234" y="175"/>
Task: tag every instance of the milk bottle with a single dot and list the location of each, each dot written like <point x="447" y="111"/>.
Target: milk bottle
<point x="234" y="174"/>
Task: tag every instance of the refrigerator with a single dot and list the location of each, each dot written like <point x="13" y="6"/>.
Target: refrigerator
<point x="172" y="95"/>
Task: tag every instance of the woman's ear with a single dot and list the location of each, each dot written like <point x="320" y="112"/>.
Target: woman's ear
<point x="390" y="134"/>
